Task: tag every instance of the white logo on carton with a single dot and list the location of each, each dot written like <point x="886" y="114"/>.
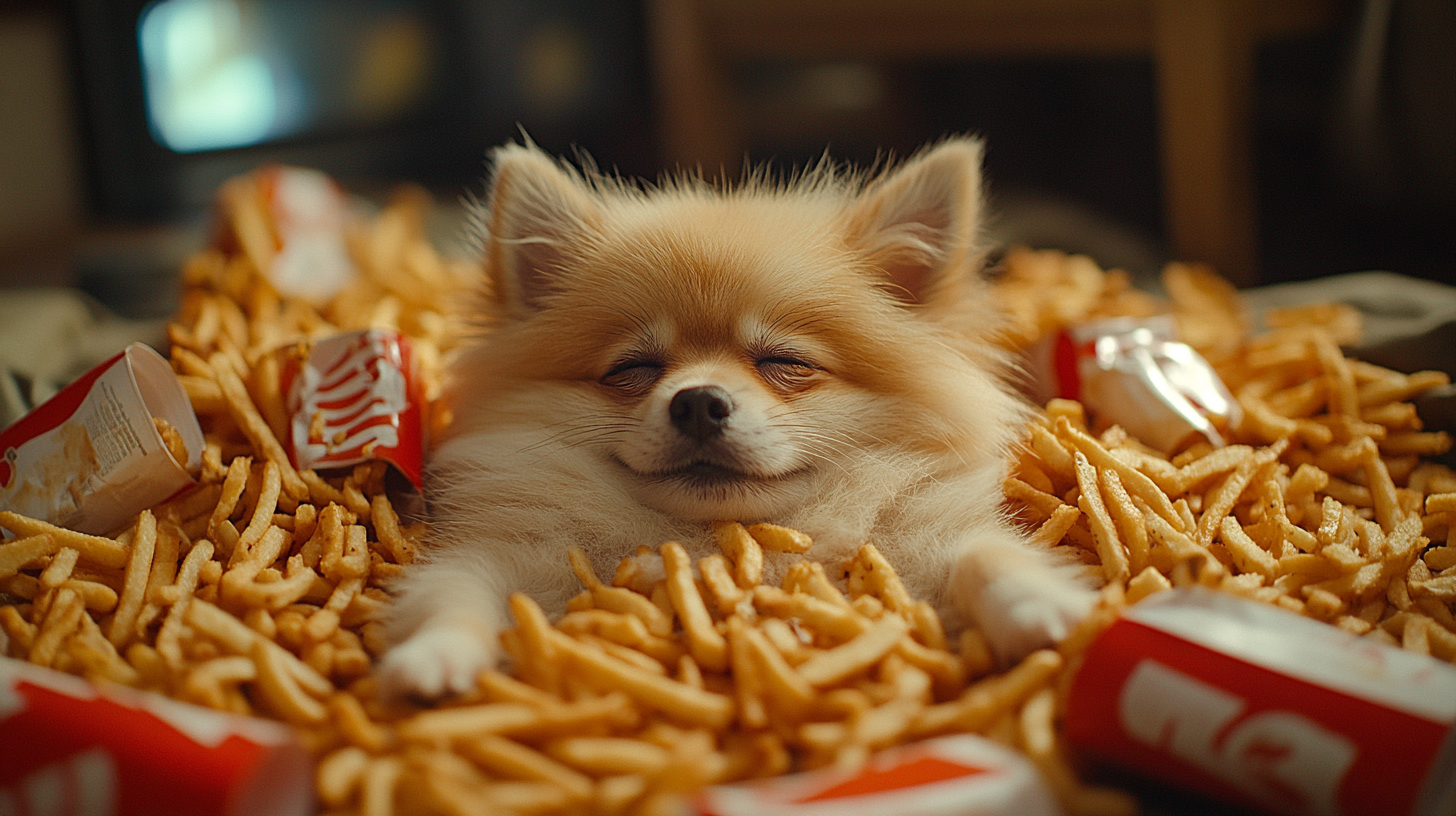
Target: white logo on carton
<point x="1279" y="757"/>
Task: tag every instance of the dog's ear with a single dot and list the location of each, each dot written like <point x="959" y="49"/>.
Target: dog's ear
<point x="539" y="211"/>
<point x="920" y="222"/>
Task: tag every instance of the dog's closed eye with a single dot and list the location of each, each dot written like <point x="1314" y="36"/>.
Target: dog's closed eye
<point x="785" y="371"/>
<point x="634" y="376"/>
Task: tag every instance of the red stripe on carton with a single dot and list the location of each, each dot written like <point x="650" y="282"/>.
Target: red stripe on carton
<point x="963" y="775"/>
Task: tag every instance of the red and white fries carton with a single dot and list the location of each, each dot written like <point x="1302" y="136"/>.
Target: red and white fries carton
<point x="962" y="775"/>
<point x="309" y="214"/>
<point x="93" y="456"/>
<point x="356" y="398"/>
<point x="1255" y="704"/>
<point x="71" y="748"/>
<point x="1134" y="372"/>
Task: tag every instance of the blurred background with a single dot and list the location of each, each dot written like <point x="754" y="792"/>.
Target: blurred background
<point x="1279" y="140"/>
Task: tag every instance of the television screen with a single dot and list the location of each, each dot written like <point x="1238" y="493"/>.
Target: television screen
<point x="178" y="95"/>
<point x="230" y="73"/>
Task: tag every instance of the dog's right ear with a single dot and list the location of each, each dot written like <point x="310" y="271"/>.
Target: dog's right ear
<point x="540" y="212"/>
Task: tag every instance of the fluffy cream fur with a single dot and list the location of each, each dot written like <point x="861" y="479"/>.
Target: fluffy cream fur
<point x="843" y="320"/>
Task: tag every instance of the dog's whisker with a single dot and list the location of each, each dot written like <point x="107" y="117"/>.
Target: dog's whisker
<point x="576" y="437"/>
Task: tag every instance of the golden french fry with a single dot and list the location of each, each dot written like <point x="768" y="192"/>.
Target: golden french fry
<point x="1136" y="483"/>
<point x="881" y="579"/>
<point x="659" y="693"/>
<point x="138" y="569"/>
<point x="94" y="550"/>
<point x="620" y="599"/>
<point x="15" y="555"/>
<point x="1247" y="555"/>
<point x="864" y="650"/>
<point x="538" y="659"/>
<point x="517" y="761"/>
<point x="262" y="518"/>
<point x="1109" y="546"/>
<point x="748" y="682"/>
<point x="809" y="577"/>
<point x="386" y="526"/>
<point x="707" y="646"/>
<point x="983" y="702"/>
<point x="252" y="424"/>
<point x="457" y="722"/>
<point x="838" y="622"/>
<point x="791" y="692"/>
<point x="1051" y="531"/>
<point x="278" y="686"/>
<point x="1147" y="582"/>
<point x="339" y="774"/>
<point x="780" y="539"/>
<point x="377" y="787"/>
<point x="60" y="621"/>
<point x="741" y="549"/>
<point x="720" y="584"/>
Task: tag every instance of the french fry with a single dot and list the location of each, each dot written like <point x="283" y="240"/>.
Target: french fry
<point x="138" y="569"/>
<point x="245" y="414"/>
<point x="338" y="775"/>
<point x="989" y="698"/>
<point x="517" y="761"/>
<point x="717" y="579"/>
<point x="1110" y="548"/>
<point x="707" y="646"/>
<point x="1136" y="483"/>
<point x="94" y="550"/>
<point x="864" y="650"/>
<point x="742" y="550"/>
<point x="455" y="723"/>
<point x="658" y="693"/>
<point x="780" y="539"/>
<point x="840" y="622"/>
<point x="60" y="621"/>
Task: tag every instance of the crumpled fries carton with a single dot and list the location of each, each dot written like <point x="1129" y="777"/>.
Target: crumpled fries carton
<point x="355" y="398"/>
<point x="72" y="748"/>
<point x="1134" y="372"/>
<point x="118" y="440"/>
<point x="1255" y="704"/>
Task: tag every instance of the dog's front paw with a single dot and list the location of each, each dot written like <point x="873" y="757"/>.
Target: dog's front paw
<point x="436" y="662"/>
<point x="1020" y="613"/>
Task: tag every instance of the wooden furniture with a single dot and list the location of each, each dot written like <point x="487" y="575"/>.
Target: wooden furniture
<point x="1203" y="52"/>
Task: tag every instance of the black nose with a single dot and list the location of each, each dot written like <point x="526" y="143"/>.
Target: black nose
<point x="700" y="413"/>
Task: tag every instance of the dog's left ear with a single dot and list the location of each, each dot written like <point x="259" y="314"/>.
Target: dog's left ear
<point x="539" y="211"/>
<point x="919" y="223"/>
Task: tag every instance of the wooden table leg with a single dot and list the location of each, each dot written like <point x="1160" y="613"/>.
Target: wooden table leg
<point x="1204" y="55"/>
<point x="697" y="113"/>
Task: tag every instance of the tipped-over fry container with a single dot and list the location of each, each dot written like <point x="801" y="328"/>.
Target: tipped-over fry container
<point x="1254" y="704"/>
<point x="94" y="455"/>
<point x="71" y="748"/>
<point x="1134" y="372"/>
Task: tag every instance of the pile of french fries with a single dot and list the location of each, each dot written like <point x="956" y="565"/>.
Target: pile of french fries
<point x="1326" y="503"/>
<point x="261" y="591"/>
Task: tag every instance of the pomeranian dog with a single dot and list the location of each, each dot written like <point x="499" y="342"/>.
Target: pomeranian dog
<point x="812" y="353"/>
